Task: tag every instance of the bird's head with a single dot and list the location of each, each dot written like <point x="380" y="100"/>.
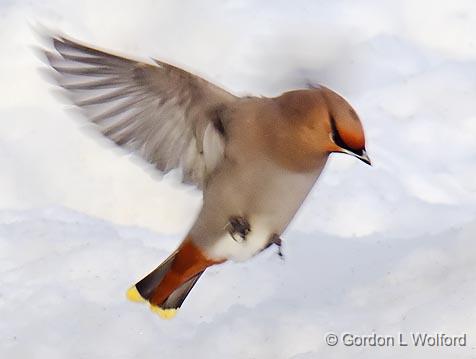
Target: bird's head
<point x="319" y="122"/>
<point x="345" y="133"/>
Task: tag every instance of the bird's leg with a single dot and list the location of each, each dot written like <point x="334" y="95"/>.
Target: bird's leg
<point x="238" y="227"/>
<point x="276" y="239"/>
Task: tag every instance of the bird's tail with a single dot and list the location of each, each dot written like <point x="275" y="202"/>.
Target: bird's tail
<point x="167" y="286"/>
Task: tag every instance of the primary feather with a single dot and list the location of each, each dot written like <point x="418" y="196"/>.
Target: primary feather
<point x="159" y="111"/>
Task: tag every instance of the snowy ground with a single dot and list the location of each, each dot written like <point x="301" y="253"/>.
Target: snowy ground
<point x="388" y="249"/>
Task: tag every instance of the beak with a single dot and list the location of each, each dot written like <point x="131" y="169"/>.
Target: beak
<point x="363" y="156"/>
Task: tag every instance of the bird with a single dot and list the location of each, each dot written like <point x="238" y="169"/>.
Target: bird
<point x="254" y="158"/>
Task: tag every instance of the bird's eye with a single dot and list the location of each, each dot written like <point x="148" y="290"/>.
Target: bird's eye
<point x="335" y="135"/>
<point x="339" y="141"/>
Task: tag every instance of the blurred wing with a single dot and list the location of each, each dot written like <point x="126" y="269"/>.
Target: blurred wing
<point x="165" y="114"/>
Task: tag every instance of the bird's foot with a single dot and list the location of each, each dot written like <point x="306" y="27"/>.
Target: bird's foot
<point x="276" y="239"/>
<point x="238" y="227"/>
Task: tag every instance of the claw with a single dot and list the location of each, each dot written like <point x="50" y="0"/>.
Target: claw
<point x="276" y="239"/>
<point x="238" y="226"/>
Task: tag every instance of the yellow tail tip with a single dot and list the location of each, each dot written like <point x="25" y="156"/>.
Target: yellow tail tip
<point x="163" y="313"/>
<point x="134" y="296"/>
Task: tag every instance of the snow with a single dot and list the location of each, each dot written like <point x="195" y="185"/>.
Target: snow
<point x="384" y="249"/>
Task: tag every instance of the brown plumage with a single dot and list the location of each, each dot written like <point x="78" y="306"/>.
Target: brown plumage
<point x="255" y="159"/>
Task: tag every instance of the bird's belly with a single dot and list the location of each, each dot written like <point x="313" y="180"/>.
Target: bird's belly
<point x="225" y="247"/>
<point x="268" y="204"/>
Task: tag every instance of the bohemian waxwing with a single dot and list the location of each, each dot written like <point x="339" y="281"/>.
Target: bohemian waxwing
<point x="254" y="158"/>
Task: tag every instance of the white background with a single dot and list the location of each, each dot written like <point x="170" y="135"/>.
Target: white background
<point x="387" y="249"/>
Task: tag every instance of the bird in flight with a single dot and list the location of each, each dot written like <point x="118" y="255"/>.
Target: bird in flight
<point x="255" y="159"/>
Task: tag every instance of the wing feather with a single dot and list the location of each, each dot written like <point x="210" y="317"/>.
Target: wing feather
<point x="157" y="110"/>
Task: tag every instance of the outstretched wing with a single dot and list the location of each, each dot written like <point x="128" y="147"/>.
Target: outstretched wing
<point x="164" y="114"/>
